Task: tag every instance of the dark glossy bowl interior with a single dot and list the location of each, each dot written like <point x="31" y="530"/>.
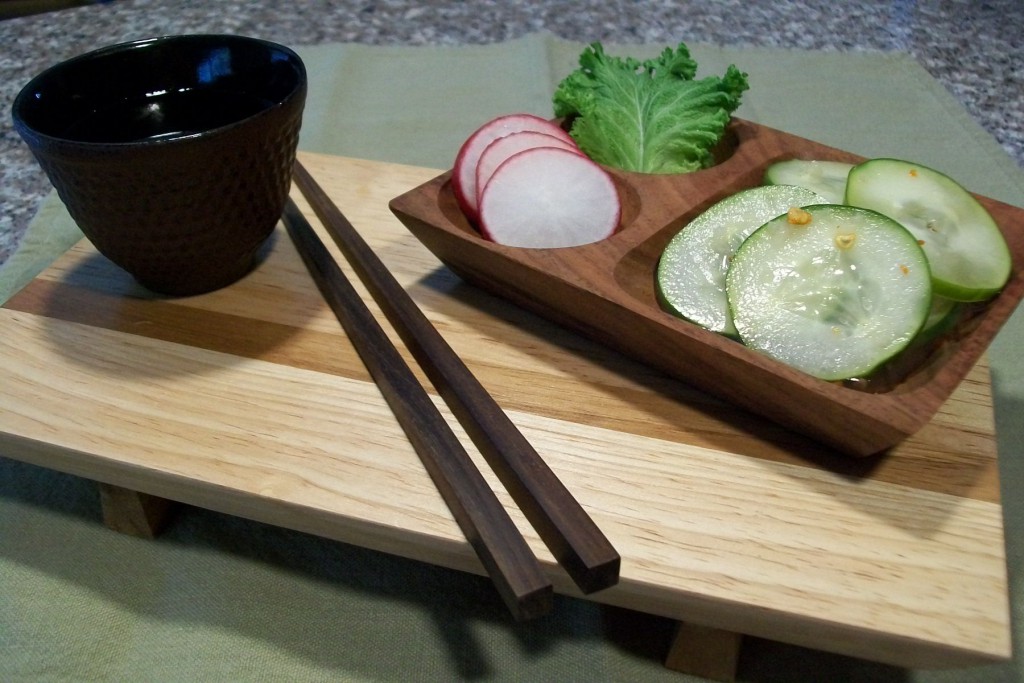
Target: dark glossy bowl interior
<point x="158" y="89"/>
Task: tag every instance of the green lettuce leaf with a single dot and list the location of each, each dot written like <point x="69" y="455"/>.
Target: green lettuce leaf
<point x="650" y="116"/>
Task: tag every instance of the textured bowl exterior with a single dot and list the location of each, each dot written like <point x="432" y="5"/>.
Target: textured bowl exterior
<point x="184" y="215"/>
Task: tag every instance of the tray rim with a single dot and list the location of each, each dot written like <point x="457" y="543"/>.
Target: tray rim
<point x="894" y="414"/>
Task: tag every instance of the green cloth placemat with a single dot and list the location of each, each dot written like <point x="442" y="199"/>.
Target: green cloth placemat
<point x="224" y="599"/>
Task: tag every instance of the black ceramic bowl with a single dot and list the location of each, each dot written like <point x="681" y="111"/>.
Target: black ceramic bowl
<point x="173" y="155"/>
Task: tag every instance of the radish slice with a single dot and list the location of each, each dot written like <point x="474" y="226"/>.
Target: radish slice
<point x="548" y="197"/>
<point x="502" y="148"/>
<point x="464" y="173"/>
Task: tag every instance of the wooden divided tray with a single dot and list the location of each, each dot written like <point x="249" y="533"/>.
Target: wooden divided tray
<point x="251" y="401"/>
<point x="606" y="291"/>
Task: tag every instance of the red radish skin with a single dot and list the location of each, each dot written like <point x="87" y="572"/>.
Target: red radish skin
<point x="464" y="172"/>
<point x="502" y="148"/>
<point x="547" y="197"/>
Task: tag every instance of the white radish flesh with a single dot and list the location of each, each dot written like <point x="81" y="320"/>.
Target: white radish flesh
<point x="546" y="198"/>
<point x="503" y="148"/>
<point x="464" y="172"/>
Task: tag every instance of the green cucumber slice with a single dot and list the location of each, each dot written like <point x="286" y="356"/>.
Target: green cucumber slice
<point x="943" y="314"/>
<point x="969" y="258"/>
<point x="827" y="178"/>
<point x="691" y="271"/>
<point x="835" y="297"/>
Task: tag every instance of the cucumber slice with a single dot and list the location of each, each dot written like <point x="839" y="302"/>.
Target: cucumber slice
<point x="941" y="317"/>
<point x="691" y="271"/>
<point x="827" y="178"/>
<point x="969" y="258"/>
<point x="834" y="290"/>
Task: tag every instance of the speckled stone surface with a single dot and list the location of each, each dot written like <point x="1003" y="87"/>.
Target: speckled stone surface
<point x="974" y="48"/>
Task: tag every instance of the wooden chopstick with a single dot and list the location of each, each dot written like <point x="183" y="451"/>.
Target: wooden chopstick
<point x="506" y="556"/>
<point x="572" y="536"/>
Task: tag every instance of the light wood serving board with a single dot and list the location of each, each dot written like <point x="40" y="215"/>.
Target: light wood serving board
<point x="251" y="401"/>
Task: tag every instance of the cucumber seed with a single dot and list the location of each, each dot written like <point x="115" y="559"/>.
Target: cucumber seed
<point x="845" y="240"/>
<point x="797" y="216"/>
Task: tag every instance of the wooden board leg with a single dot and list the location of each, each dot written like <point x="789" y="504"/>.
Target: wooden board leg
<point x="704" y="651"/>
<point x="134" y="513"/>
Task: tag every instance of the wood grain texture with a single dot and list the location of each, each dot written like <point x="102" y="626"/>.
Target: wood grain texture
<point x="705" y="652"/>
<point x="571" y="535"/>
<point x="133" y="513"/>
<point x="606" y="291"/>
<point x="507" y="558"/>
<point x="235" y="401"/>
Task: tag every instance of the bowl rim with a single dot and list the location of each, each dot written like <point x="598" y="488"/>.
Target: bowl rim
<point x="26" y="130"/>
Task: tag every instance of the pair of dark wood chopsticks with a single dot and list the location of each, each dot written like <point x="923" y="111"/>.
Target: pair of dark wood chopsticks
<point x="571" y="535"/>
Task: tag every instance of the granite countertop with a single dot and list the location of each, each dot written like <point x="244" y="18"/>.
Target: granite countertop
<point x="973" y="48"/>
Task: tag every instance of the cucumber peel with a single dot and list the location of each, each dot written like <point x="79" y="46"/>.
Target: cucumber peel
<point x="835" y="291"/>
<point x="895" y="253"/>
<point x="690" y="278"/>
<point x="970" y="260"/>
